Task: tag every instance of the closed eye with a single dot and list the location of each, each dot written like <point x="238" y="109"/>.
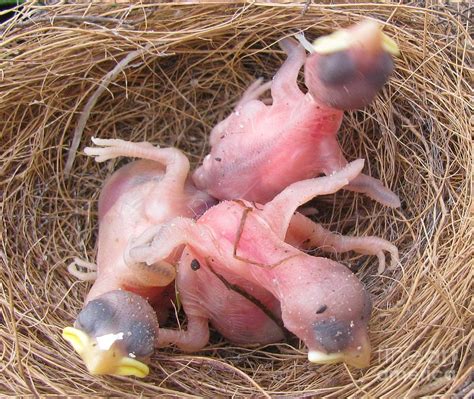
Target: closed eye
<point x="336" y="68"/>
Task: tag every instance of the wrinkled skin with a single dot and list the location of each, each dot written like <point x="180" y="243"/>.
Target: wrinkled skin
<point x="260" y="149"/>
<point x="242" y="243"/>
<point x="127" y="295"/>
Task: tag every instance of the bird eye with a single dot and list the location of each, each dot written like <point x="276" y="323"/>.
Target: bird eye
<point x="334" y="336"/>
<point x="121" y="312"/>
<point x="92" y="318"/>
<point x="337" y="68"/>
<point x="141" y="339"/>
<point x="382" y="68"/>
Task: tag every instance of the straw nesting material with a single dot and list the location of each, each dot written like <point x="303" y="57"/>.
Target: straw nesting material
<point x="166" y="73"/>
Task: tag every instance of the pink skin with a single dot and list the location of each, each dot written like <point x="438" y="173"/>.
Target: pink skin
<point x="138" y="196"/>
<point x="206" y="297"/>
<point x="141" y="195"/>
<point x="260" y="149"/>
<point x="321" y="301"/>
<point x="303" y="233"/>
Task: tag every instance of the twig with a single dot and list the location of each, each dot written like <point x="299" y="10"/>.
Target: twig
<point x="108" y="78"/>
<point x="71" y="18"/>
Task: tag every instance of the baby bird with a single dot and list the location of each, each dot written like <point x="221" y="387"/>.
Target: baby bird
<point x="117" y="328"/>
<point x="241" y="244"/>
<point x="260" y="149"/>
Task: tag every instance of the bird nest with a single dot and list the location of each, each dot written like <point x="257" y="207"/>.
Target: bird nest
<point x="167" y="73"/>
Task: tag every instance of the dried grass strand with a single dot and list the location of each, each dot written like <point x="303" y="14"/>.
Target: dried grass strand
<point x="84" y="116"/>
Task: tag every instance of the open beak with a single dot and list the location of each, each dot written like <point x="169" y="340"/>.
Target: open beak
<point x="366" y="35"/>
<point x="358" y="357"/>
<point x="103" y="360"/>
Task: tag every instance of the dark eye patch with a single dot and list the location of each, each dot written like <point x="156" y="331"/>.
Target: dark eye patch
<point x="346" y="80"/>
<point x="337" y="68"/>
<point x="380" y="71"/>
<point x="121" y="312"/>
<point x="91" y="319"/>
<point x="140" y="338"/>
<point x="334" y="336"/>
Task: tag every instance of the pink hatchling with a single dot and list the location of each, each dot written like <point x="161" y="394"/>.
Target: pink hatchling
<point x="117" y="327"/>
<point x="238" y="273"/>
<point x="260" y="149"/>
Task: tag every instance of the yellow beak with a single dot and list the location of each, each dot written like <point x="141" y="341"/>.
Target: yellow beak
<point x="99" y="361"/>
<point x="367" y="32"/>
<point x="359" y="357"/>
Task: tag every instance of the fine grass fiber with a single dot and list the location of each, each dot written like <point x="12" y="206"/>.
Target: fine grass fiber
<point x="167" y="73"/>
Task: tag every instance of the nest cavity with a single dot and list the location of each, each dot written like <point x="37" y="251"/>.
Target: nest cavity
<point x="167" y="73"/>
